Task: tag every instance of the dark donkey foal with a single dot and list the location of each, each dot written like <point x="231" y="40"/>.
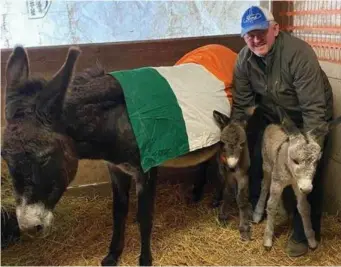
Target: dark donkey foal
<point x="234" y="162"/>
<point x="52" y="124"/>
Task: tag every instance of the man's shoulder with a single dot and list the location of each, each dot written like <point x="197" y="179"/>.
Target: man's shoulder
<point x="243" y="54"/>
<point x="293" y="43"/>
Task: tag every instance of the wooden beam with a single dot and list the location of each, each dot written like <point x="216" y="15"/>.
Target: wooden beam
<point x="115" y="56"/>
<point x="277" y="8"/>
<point x="46" y="60"/>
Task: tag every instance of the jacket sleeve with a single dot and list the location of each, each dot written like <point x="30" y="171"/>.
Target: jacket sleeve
<point x="242" y="93"/>
<point x="309" y="85"/>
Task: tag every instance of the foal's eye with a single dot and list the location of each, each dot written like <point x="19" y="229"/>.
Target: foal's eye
<point x="295" y="161"/>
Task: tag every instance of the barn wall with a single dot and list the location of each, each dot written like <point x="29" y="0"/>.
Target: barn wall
<point x="332" y="175"/>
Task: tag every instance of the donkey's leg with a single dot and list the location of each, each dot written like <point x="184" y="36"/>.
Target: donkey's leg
<point x="303" y="208"/>
<point x="276" y="190"/>
<point x="200" y="181"/>
<point x="120" y="186"/>
<point x="260" y="207"/>
<point x="217" y="181"/>
<point x="218" y="190"/>
<point x="244" y="206"/>
<point x="146" y="193"/>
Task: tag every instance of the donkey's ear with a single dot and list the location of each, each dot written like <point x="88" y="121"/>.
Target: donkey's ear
<point x="17" y="69"/>
<point x="250" y="110"/>
<point x="50" y="101"/>
<point x="221" y="119"/>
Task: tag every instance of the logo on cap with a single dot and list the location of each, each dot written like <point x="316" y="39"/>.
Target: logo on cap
<point x="252" y="17"/>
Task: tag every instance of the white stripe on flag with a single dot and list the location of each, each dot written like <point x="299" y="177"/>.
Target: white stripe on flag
<point x="198" y="93"/>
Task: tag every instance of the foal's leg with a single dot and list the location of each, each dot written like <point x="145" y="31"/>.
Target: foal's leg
<point x="243" y="205"/>
<point x="120" y="186"/>
<point x="146" y="185"/>
<point x="276" y="190"/>
<point x="260" y="207"/>
<point x="303" y="208"/>
<point x="227" y="194"/>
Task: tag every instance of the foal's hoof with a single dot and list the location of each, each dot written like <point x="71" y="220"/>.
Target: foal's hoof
<point x="267" y="248"/>
<point x="245" y="236"/>
<point x="257" y="217"/>
<point x="109" y="260"/>
<point x="312" y="244"/>
<point x="215" y="203"/>
<point x="267" y="244"/>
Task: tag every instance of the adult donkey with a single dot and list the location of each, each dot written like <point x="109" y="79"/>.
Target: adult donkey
<point x="52" y="124"/>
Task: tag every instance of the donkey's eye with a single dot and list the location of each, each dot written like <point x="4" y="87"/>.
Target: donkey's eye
<point x="43" y="162"/>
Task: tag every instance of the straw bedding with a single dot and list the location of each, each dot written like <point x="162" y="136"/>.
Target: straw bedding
<point x="183" y="234"/>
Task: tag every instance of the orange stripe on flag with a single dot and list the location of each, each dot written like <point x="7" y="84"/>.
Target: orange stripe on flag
<point x="217" y="59"/>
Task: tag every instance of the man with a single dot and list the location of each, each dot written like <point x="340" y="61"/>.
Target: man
<point x="277" y="65"/>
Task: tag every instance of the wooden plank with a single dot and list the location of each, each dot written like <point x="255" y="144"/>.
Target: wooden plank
<point x="45" y="61"/>
<point x="115" y="56"/>
<point x="278" y="9"/>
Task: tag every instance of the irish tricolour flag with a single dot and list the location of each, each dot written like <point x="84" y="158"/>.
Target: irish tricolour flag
<point x="171" y="109"/>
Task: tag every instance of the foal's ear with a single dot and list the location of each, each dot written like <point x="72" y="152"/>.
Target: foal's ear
<point x="286" y="122"/>
<point x="221" y="119"/>
<point x="323" y="129"/>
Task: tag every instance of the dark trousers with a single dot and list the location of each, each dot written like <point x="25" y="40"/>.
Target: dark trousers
<point x="255" y="131"/>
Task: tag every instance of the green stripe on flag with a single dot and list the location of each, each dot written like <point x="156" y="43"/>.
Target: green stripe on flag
<point x="155" y="115"/>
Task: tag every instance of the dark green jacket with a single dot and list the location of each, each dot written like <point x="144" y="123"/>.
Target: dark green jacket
<point x="294" y="78"/>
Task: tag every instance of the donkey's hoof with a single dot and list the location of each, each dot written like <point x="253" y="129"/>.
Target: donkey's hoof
<point x="196" y="197"/>
<point x="223" y="218"/>
<point x="109" y="260"/>
<point x="145" y="260"/>
<point x="257" y="217"/>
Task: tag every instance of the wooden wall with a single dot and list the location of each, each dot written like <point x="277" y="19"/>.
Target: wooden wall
<point x="45" y="61"/>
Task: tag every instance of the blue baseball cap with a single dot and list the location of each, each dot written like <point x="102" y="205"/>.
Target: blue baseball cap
<point x="256" y="18"/>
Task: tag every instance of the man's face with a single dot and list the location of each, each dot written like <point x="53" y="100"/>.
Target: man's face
<point x="261" y="41"/>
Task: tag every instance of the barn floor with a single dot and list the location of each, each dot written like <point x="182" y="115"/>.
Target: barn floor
<point x="183" y="234"/>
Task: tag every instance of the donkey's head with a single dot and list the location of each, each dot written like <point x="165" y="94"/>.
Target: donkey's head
<point x="233" y="138"/>
<point x="304" y="150"/>
<point x="40" y="157"/>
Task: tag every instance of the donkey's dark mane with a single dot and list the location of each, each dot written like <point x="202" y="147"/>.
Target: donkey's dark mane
<point x="87" y="75"/>
<point x="93" y="109"/>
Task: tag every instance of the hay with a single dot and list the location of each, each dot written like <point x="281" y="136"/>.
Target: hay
<point x="182" y="235"/>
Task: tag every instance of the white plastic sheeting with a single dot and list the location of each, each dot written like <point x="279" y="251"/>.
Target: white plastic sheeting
<point x="60" y="22"/>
